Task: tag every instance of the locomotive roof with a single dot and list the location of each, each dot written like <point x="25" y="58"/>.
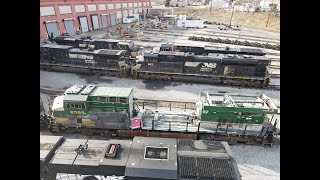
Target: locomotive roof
<point x="174" y="53"/>
<point x="61" y="47"/>
<point x="110" y="51"/>
<point x="239" y="56"/>
<point x="111" y="92"/>
<point x="187" y="45"/>
<point x="258" y="101"/>
<point x="164" y="44"/>
<point x="70" y="39"/>
<point x="47" y="45"/>
<point x="81" y="92"/>
<point x="100" y="51"/>
<point x="107" y="40"/>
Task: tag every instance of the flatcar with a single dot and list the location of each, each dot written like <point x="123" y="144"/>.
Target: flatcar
<point x="239" y="70"/>
<point x="205" y="50"/>
<point x="111" y="110"/>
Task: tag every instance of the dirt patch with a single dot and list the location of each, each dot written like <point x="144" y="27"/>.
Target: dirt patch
<point x="256" y="20"/>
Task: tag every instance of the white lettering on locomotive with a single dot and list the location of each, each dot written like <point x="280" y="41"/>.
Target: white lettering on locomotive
<point x="207" y="67"/>
<point x="90" y="61"/>
<point x="150" y="64"/>
<point x="81" y="56"/>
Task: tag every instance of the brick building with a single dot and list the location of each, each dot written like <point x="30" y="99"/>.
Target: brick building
<point x="61" y="16"/>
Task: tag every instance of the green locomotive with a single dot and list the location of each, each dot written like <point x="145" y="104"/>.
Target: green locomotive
<point x="109" y="108"/>
<point x="94" y="107"/>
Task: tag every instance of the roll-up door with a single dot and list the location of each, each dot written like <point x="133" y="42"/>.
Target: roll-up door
<point x="95" y="22"/>
<point x="84" y="24"/>
<point x="52" y="27"/>
<point x="104" y="20"/>
<point x="69" y="26"/>
<point x="113" y="19"/>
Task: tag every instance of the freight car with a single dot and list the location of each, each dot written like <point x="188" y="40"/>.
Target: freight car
<point x="237" y="70"/>
<point x="205" y="50"/>
<point x="109" y="111"/>
<point x="96" y="44"/>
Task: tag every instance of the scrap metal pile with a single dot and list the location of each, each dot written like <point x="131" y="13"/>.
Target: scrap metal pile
<point x="236" y="42"/>
<point x="151" y="24"/>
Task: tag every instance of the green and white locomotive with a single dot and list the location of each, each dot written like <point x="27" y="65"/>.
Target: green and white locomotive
<point x="111" y="109"/>
<point x="94" y="107"/>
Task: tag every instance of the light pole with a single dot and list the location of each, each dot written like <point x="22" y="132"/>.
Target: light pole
<point x="232" y="14"/>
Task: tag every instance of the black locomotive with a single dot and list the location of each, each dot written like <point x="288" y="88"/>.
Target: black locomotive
<point x="240" y="70"/>
<point x="229" y="69"/>
<point x="205" y="50"/>
<point x="96" y="44"/>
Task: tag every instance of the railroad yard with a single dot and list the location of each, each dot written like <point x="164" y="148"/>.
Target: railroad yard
<point x="254" y="161"/>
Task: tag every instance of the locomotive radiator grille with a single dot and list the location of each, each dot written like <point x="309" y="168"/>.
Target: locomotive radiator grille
<point x="206" y="145"/>
<point x="197" y="168"/>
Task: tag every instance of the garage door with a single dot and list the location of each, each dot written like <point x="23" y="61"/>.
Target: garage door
<point x="52" y="27"/>
<point x="104" y="20"/>
<point x="95" y="22"/>
<point x="68" y="25"/>
<point x="84" y="24"/>
<point x="113" y="19"/>
<point x="125" y="13"/>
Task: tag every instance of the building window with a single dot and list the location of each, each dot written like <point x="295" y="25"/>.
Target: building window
<point x="123" y="100"/>
<point x="112" y="99"/>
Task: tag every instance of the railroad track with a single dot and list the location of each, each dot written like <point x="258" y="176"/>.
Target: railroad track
<point x="274" y="67"/>
<point x="219" y="34"/>
<point x="274" y="87"/>
<point x="235" y="42"/>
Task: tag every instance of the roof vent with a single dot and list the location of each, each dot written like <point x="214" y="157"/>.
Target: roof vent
<point x="112" y="150"/>
<point x="75" y="89"/>
<point x="156" y="153"/>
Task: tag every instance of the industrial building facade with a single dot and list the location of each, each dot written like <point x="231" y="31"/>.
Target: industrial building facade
<point x="72" y="16"/>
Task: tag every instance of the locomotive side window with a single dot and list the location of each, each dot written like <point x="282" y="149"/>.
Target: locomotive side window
<point x="112" y="99"/>
<point x="123" y="100"/>
<point x="102" y="99"/>
<point x="75" y="106"/>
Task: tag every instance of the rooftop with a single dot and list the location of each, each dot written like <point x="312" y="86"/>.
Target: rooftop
<point x="240" y="100"/>
<point x="111" y="92"/>
<point x="48" y="145"/>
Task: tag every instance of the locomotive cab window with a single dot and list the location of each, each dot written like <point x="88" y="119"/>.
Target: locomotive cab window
<point x="112" y="99"/>
<point x="123" y="100"/>
<point x="102" y="99"/>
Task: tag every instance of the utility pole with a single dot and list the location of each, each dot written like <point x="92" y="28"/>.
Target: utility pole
<point x="211" y="6"/>
<point x="269" y="14"/>
<point x="232" y="14"/>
